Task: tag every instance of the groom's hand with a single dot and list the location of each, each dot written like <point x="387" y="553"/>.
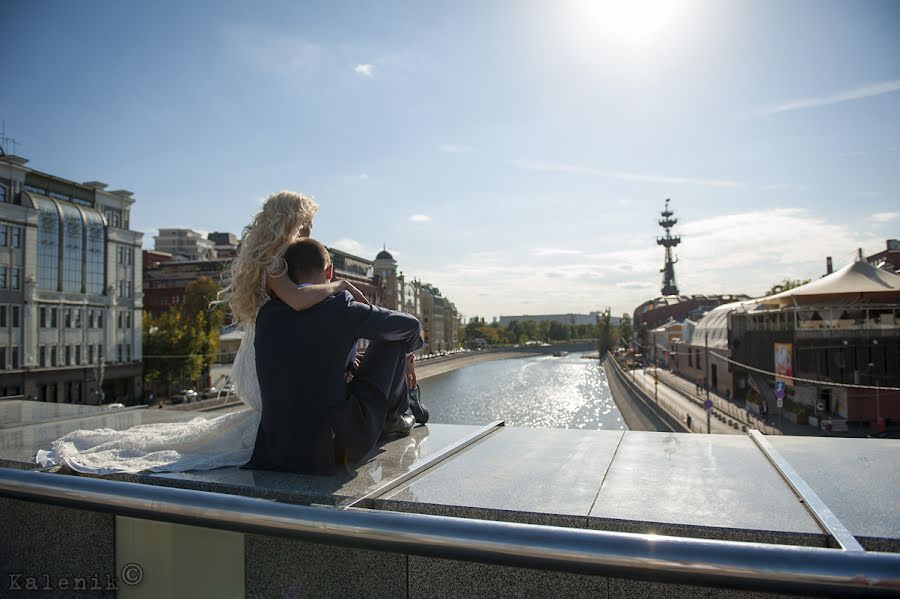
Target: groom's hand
<point x="351" y="369"/>
<point x="410" y="372"/>
<point x="356" y="293"/>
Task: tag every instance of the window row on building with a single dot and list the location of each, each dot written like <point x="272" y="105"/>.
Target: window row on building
<point x="71" y="355"/>
<point x="124" y="255"/>
<point x="126" y="288"/>
<point x="10" y="357"/>
<point x="10" y="277"/>
<point x="10" y="235"/>
<point x="72" y="318"/>
<point x="10" y="316"/>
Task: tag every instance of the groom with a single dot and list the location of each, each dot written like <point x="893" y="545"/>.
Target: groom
<point x="313" y="420"/>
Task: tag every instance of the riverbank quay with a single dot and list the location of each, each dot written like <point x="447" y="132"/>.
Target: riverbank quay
<point x="435" y="366"/>
<point x="668" y="394"/>
<point x="469" y="511"/>
<point x="638" y="411"/>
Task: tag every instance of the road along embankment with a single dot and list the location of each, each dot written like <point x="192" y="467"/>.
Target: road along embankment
<point x="638" y="409"/>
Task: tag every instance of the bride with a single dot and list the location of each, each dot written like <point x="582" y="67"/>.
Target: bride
<point x="256" y="275"/>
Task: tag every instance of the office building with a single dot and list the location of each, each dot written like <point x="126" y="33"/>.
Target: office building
<point x="185" y="244"/>
<point x="70" y="289"/>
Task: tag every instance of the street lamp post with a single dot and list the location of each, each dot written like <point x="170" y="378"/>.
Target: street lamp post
<point x="706" y="369"/>
<point x="877" y="399"/>
<point x="655" y="373"/>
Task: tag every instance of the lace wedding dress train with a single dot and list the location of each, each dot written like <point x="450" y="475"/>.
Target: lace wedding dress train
<point x="198" y="444"/>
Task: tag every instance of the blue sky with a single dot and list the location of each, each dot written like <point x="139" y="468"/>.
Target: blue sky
<point x="511" y="153"/>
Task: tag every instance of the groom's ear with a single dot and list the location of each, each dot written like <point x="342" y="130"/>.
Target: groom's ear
<point x="329" y="272"/>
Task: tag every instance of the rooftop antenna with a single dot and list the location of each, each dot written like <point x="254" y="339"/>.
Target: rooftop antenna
<point x="7" y="141"/>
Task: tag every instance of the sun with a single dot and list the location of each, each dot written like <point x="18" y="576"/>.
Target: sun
<point x="640" y="23"/>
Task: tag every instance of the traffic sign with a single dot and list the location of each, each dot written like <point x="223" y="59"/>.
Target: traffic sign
<point x="779" y="389"/>
<point x="780" y="402"/>
<point x="707" y="405"/>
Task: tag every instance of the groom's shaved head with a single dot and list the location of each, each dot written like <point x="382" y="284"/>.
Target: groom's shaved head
<point x="306" y="260"/>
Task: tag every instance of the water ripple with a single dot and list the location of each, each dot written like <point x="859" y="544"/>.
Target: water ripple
<point x="538" y="392"/>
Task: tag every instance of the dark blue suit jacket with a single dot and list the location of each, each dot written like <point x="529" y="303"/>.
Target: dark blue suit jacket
<point x="301" y="361"/>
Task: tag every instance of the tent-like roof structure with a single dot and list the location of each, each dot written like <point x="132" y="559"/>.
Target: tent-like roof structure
<point x="854" y="281"/>
<point x="714" y="324"/>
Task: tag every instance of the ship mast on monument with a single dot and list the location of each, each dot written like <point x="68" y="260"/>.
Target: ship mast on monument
<point x="668" y="220"/>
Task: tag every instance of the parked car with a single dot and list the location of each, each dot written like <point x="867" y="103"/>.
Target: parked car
<point x="210" y="393"/>
<point x="185" y="396"/>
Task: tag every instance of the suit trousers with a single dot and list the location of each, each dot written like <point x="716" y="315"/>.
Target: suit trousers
<point x="377" y="394"/>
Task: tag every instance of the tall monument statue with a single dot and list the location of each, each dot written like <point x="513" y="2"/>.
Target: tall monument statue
<point x="669" y="241"/>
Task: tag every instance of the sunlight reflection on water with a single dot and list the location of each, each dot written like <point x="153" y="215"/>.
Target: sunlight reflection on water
<point x="539" y="392"/>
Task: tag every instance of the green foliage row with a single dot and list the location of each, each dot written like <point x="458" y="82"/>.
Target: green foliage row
<point x="523" y="331"/>
<point x="180" y="345"/>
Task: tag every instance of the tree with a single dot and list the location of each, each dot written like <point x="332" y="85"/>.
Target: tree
<point x="171" y="349"/>
<point x="608" y="336"/>
<point x="626" y="331"/>
<point x="203" y="321"/>
<point x="786" y="284"/>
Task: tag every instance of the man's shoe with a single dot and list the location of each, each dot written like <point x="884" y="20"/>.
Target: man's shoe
<point x="399" y="426"/>
<point x="420" y="412"/>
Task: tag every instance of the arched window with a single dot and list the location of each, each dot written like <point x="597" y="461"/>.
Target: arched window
<point x="48" y="243"/>
<point x="73" y="237"/>
<point x="73" y="248"/>
<point x="94" y="251"/>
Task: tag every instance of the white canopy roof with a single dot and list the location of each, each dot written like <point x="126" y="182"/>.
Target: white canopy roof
<point x="856" y="278"/>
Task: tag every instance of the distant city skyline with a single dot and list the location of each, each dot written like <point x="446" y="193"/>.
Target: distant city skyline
<point x="514" y="154"/>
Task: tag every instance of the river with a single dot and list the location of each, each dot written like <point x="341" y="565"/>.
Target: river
<point x="536" y="392"/>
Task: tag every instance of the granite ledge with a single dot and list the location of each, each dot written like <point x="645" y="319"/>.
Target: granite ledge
<point x="477" y="513"/>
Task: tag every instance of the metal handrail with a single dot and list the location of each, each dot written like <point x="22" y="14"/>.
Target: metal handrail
<point x="752" y="566"/>
<point x="817" y="508"/>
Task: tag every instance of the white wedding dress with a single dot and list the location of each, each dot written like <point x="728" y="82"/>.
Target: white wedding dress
<point x="198" y="444"/>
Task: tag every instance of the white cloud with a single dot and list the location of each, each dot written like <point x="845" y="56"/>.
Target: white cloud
<point x="783" y="187"/>
<point x="365" y="70"/>
<point x="858" y="93"/>
<point x="363" y="176"/>
<point x="731" y="253"/>
<point x="562" y="167"/>
<point x="419" y="218"/>
<point x="634" y="285"/>
<point x="885" y="217"/>
<point x="455" y="149"/>
<point x="554" y="252"/>
<point x="351" y="246"/>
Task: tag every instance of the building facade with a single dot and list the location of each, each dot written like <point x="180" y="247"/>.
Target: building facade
<point x="358" y="271"/>
<point x="185" y="244"/>
<point x="225" y="244"/>
<point x="70" y="289"/>
<point x="437" y="315"/>
<point x="166" y="279"/>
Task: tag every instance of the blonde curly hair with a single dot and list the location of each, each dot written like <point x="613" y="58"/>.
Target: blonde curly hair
<point x="280" y="221"/>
